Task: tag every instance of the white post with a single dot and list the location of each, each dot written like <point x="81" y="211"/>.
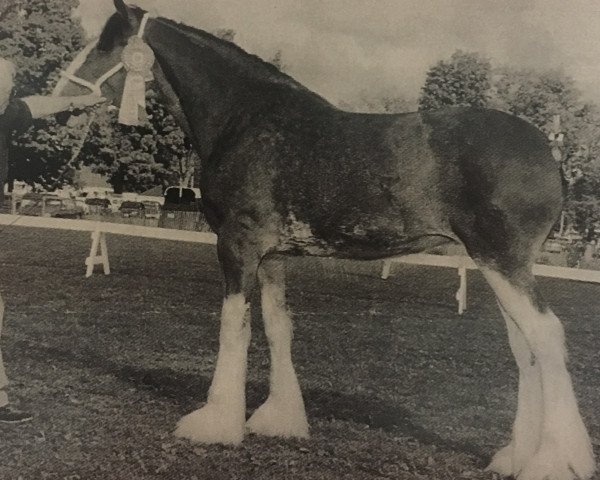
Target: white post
<point x="104" y="254"/>
<point x="89" y="261"/>
<point x="461" y="294"/>
<point x="387" y="266"/>
<point x="561" y="231"/>
<point x="556" y="139"/>
<point x="98" y="240"/>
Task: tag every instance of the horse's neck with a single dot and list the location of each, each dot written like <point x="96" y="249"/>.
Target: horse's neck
<point x="171" y="101"/>
<point x="200" y="93"/>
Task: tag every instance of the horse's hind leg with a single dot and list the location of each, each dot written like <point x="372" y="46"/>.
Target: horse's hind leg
<point x="223" y="417"/>
<point x="283" y="412"/>
<point x="528" y="422"/>
<point x="562" y="448"/>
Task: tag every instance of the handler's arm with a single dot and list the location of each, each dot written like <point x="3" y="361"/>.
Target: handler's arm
<point x="41" y="106"/>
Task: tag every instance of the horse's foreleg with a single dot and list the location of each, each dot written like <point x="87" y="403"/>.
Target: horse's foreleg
<point x="223" y="417"/>
<point x="563" y="450"/>
<point x="283" y="412"/>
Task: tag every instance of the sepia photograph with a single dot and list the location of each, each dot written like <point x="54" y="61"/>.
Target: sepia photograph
<point x="299" y="239"/>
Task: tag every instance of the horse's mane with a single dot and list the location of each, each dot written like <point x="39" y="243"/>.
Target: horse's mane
<point x="251" y="65"/>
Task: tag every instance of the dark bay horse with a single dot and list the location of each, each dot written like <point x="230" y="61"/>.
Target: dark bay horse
<point x="285" y="172"/>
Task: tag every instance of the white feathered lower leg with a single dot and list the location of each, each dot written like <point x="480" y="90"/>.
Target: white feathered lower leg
<point x="283" y="413"/>
<point x="223" y="417"/>
<point x="564" y="451"/>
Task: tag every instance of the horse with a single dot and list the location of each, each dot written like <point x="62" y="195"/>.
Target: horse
<point x="283" y="172"/>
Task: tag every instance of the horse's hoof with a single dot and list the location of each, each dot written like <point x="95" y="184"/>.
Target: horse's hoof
<point x="279" y="419"/>
<point x="502" y="462"/>
<point x="567" y="460"/>
<point x="212" y="424"/>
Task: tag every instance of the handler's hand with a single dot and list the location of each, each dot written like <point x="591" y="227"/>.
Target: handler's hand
<point x="87" y="101"/>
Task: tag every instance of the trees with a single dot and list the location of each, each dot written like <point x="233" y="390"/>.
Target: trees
<point x="582" y="167"/>
<point x="40" y="37"/>
<point x="538" y="98"/>
<point x="464" y="80"/>
<point x="137" y="158"/>
<point x="467" y="79"/>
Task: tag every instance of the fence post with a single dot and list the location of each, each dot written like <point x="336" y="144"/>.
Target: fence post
<point x="387" y="266"/>
<point x="90" y="261"/>
<point x="461" y="294"/>
<point x="98" y="240"/>
<point x="557" y="139"/>
<point x="104" y="254"/>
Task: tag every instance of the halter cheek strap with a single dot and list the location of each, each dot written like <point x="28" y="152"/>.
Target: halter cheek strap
<point x="96" y="87"/>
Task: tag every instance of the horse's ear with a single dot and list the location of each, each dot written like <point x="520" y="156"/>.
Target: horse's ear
<point x="123" y="10"/>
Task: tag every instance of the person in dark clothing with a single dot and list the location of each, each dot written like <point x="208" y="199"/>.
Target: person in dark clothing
<point x="15" y="118"/>
<point x="17" y="115"/>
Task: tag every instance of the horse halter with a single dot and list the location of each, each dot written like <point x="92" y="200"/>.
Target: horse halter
<point x="80" y="59"/>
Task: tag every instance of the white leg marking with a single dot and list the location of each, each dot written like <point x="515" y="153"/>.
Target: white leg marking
<point x="283" y="413"/>
<point x="564" y="451"/>
<point x="222" y="419"/>
<point x="528" y="422"/>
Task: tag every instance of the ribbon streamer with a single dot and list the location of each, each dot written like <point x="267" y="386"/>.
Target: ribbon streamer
<point x="137" y="58"/>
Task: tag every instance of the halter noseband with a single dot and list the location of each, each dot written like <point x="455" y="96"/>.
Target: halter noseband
<point x="95" y="87"/>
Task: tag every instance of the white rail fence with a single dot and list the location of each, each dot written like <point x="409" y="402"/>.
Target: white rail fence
<point x="99" y="249"/>
<point x="99" y="230"/>
<point x="464" y="263"/>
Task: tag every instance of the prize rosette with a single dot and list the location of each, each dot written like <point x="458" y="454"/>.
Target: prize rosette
<point x="137" y="58"/>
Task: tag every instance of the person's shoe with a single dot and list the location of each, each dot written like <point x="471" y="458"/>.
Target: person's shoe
<point x="9" y="414"/>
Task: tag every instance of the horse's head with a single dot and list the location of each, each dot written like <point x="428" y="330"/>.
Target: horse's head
<point x="99" y="67"/>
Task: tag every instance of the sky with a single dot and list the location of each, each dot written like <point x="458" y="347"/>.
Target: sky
<point x="344" y="49"/>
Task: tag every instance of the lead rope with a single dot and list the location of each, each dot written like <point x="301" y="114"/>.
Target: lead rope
<point x="86" y="130"/>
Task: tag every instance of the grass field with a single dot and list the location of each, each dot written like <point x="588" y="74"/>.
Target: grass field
<point x="396" y="384"/>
